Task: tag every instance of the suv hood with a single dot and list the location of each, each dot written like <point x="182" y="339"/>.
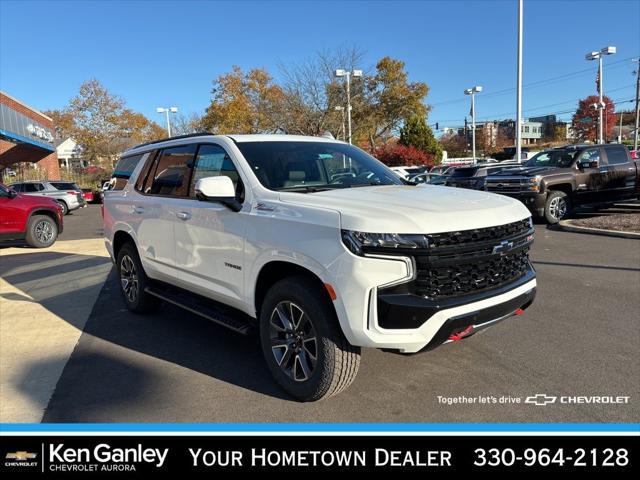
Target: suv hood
<point x="419" y="209"/>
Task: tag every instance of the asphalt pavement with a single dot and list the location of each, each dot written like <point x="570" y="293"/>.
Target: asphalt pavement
<point x="580" y="338"/>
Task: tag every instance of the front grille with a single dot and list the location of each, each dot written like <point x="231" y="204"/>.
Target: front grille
<point x="471" y="261"/>
<point x="464" y="237"/>
<point x="469" y="276"/>
<point x="506" y="186"/>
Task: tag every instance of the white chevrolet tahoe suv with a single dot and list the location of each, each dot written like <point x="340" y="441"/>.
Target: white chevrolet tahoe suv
<point x="317" y="245"/>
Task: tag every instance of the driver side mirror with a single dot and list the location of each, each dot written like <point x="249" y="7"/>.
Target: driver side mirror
<point x="588" y="164"/>
<point x="12" y="193"/>
<point x="218" y="189"/>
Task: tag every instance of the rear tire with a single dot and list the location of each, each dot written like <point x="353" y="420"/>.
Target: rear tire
<point x="42" y="231"/>
<point x="557" y="206"/>
<point x="133" y="281"/>
<point x="303" y="345"/>
<point x="65" y="209"/>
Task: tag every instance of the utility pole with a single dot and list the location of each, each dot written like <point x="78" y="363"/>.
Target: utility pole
<point x="635" y="134"/>
<point x="519" y="86"/>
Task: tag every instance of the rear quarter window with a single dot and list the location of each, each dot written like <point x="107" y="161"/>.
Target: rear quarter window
<point x="124" y="169"/>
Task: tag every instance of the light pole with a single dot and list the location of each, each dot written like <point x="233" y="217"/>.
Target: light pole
<point x="635" y="133"/>
<point x="472" y="92"/>
<point x="166" y="112"/>
<point x="519" y="85"/>
<point x="599" y="56"/>
<point x="345" y="73"/>
<point x="340" y="108"/>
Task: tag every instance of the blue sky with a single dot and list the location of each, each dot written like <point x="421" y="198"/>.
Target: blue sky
<point x="167" y="52"/>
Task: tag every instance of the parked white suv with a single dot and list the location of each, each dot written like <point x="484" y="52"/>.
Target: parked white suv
<point x="316" y="244"/>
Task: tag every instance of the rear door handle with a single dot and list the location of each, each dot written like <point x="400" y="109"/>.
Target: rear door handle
<point x="183" y="215"/>
<point x="137" y="209"/>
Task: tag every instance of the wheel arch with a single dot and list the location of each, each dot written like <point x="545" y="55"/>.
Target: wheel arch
<point x="119" y="239"/>
<point x="43" y="211"/>
<point x="562" y="187"/>
<point x="277" y="270"/>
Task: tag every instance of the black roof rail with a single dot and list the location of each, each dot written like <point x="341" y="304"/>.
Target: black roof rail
<point x="177" y="137"/>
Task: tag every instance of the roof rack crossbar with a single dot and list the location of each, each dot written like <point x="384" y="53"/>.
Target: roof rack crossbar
<point x="177" y="137"/>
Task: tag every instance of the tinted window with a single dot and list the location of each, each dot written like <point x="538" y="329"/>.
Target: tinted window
<point x="172" y="171"/>
<point x="616" y="154"/>
<point x="464" y="172"/>
<point x="213" y="161"/>
<point x="17" y="187"/>
<point x="309" y="166"/>
<point x="145" y="179"/>
<point x="123" y="170"/>
<point x="32" y="187"/>
<point x="65" y="185"/>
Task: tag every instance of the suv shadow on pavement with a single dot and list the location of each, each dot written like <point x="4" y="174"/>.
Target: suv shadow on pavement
<point x="171" y="334"/>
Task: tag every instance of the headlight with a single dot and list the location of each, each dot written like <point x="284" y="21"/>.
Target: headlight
<point x="360" y="243"/>
<point x="534" y="183"/>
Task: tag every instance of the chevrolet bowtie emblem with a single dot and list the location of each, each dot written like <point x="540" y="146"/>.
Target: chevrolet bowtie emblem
<point x="20" y="455"/>
<point x="503" y="247"/>
<point x="540" y="399"/>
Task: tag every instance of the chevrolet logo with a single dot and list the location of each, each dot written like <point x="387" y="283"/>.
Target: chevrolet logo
<point x="20" y="455"/>
<point x="540" y="399"/>
<point x="503" y="247"/>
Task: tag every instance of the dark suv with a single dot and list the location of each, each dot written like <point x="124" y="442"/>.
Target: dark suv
<point x="554" y="181"/>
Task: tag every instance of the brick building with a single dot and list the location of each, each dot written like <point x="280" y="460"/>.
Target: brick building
<point x="26" y="135"/>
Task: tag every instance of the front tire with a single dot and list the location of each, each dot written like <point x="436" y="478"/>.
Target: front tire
<point x="133" y="281"/>
<point x="302" y="342"/>
<point x="557" y="206"/>
<point x="42" y="231"/>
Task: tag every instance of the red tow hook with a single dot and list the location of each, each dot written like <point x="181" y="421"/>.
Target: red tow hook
<point x="460" y="335"/>
<point x="518" y="312"/>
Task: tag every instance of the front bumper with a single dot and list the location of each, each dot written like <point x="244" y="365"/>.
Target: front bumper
<point x="534" y="201"/>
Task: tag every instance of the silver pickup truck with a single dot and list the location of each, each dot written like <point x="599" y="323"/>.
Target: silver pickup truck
<point x="68" y="199"/>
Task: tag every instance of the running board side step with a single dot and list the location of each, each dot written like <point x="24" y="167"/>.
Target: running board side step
<point x="203" y="307"/>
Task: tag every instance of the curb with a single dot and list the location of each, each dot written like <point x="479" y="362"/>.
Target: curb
<point x="567" y="226"/>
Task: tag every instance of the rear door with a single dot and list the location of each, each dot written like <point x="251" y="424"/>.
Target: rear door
<point x="162" y="186"/>
<point x="209" y="236"/>
<point x="620" y="174"/>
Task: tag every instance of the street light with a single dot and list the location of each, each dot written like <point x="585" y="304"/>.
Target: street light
<point x="599" y="56"/>
<point x="340" y="108"/>
<point x="472" y="91"/>
<point x="166" y="112"/>
<point x="345" y="73"/>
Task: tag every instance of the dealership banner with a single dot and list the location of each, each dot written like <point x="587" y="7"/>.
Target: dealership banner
<point x="417" y="454"/>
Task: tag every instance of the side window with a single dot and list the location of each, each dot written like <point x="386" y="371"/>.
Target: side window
<point x="123" y="170"/>
<point x="18" y="188"/>
<point x="589" y="155"/>
<point x="31" y="187"/>
<point x="145" y="178"/>
<point x="616" y="154"/>
<point x="213" y="161"/>
<point x="172" y="172"/>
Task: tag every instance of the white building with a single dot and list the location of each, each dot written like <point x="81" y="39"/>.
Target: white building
<point x="70" y="154"/>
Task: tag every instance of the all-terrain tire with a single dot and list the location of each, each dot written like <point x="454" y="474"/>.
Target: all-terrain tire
<point x="336" y="360"/>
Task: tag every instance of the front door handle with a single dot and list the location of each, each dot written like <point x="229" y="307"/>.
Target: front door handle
<point x="183" y="215"/>
<point x="137" y="209"/>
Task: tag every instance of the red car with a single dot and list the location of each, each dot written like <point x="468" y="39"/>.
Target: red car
<point x="38" y="220"/>
<point x="87" y="193"/>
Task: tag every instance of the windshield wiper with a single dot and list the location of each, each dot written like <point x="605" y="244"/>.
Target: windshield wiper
<point x="306" y="189"/>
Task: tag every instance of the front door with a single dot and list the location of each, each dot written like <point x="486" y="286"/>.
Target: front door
<point x="589" y="180"/>
<point x="209" y="236"/>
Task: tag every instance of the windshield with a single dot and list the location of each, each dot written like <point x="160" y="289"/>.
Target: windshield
<point x="552" y="158"/>
<point x="314" y="166"/>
